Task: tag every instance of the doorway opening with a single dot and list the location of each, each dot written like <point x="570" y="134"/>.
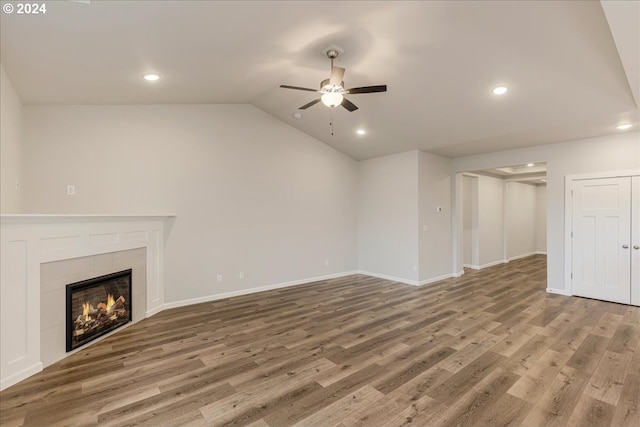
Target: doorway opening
<point x="501" y="215"/>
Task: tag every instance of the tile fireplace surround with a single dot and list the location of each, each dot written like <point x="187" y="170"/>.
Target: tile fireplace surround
<point x="40" y="254"/>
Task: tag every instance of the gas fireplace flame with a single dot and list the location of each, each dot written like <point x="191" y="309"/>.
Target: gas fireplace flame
<point x="112" y="307"/>
<point x="86" y="307"/>
<point x="110" y="302"/>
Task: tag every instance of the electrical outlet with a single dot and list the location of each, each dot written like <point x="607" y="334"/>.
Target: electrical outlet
<point x="241" y="275"/>
<point x="219" y="278"/>
<point x="425" y="228"/>
<point x="326" y="263"/>
<point x="71" y="190"/>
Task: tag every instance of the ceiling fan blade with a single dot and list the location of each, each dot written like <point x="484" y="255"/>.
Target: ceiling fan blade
<point x="367" y="89"/>
<point x="298" y="88"/>
<point x="337" y="74"/>
<point x="348" y="105"/>
<point x="305" y="106"/>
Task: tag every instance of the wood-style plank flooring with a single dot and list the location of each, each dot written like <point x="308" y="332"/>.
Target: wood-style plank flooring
<point x="491" y="348"/>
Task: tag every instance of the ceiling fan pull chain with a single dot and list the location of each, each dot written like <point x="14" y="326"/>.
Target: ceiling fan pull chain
<point x="331" y="120"/>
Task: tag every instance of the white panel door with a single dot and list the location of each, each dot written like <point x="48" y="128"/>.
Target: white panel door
<point x="635" y="240"/>
<point x="601" y="243"/>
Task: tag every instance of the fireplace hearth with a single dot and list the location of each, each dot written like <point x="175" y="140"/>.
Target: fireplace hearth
<point x="97" y="306"/>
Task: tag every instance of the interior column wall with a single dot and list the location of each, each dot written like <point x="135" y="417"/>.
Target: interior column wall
<point x="541" y="219"/>
<point x="434" y="189"/>
<point x="490" y="221"/>
<point x="469" y="228"/>
<point x="521" y="222"/>
<point x="388" y="217"/>
<point x="10" y="146"/>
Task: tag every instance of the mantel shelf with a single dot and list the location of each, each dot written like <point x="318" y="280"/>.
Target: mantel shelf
<point x="32" y="218"/>
<point x="86" y="215"/>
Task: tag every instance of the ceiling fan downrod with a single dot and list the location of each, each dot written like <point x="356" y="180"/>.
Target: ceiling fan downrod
<point x="332" y="54"/>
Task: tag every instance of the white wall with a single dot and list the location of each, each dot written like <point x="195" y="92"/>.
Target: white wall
<point x="600" y="154"/>
<point x="434" y="189"/>
<point x="541" y="219"/>
<point x="251" y="193"/>
<point x="467" y="219"/>
<point x="490" y="221"/>
<point x="388" y="216"/>
<point x="520" y="224"/>
<point x="10" y="146"/>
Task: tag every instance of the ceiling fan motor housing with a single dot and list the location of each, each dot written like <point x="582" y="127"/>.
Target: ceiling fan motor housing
<point x="326" y="86"/>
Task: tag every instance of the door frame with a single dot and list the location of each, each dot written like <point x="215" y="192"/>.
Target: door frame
<point x="568" y="215"/>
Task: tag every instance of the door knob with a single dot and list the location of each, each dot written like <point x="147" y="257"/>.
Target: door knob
<point x="636" y="247"/>
<point x="625" y="246"/>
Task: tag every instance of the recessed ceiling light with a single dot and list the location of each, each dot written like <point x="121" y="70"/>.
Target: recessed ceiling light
<point x="361" y="132"/>
<point x="297" y="115"/>
<point x="500" y="90"/>
<point x="151" y="77"/>
<point x="624" y="126"/>
<point x="529" y="164"/>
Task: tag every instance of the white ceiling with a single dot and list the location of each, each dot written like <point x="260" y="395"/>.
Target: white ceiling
<point x="532" y="173"/>
<point x="439" y="60"/>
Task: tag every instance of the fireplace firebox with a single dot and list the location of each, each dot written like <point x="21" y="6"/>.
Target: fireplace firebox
<point x="97" y="306"/>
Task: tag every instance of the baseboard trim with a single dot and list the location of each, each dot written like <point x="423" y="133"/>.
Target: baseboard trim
<point x="513" y="258"/>
<point x="487" y="265"/>
<point x="392" y="278"/>
<point x="501" y="261"/>
<point x="215" y="297"/>
<point x="558" y="291"/>
<point x="494" y="263"/>
<point x="154" y="310"/>
<point x="458" y="274"/>
<point x="436" y="279"/>
<point x="22" y="375"/>
<point x="540" y="252"/>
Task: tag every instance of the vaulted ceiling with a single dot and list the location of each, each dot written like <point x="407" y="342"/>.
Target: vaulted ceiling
<point x="571" y="67"/>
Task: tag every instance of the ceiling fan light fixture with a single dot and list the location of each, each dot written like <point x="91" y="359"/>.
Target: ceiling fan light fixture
<point x="332" y="99"/>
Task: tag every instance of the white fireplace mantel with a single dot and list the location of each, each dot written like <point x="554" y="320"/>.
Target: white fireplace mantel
<point x="28" y="240"/>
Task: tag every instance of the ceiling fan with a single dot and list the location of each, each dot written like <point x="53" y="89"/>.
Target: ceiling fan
<point x="332" y="89"/>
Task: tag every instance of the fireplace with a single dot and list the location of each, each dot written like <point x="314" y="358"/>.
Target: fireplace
<point x="97" y="306"/>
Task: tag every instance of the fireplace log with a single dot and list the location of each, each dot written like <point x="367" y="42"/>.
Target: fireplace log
<point x="119" y="304"/>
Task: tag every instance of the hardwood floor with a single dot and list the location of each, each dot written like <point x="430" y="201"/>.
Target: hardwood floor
<point x="491" y="348"/>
